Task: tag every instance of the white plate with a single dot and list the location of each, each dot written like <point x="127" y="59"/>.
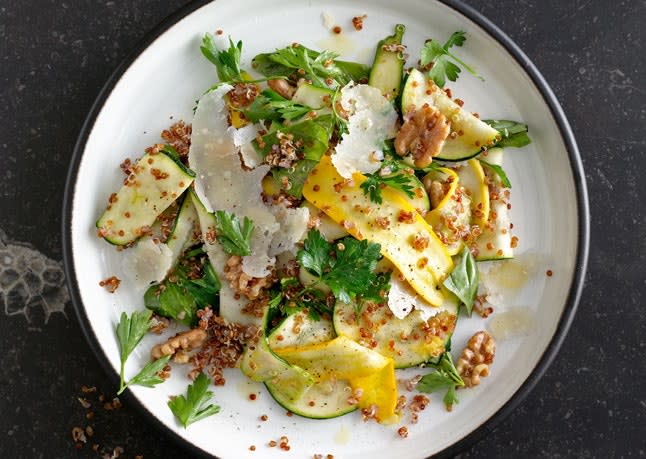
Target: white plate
<point x="164" y="78"/>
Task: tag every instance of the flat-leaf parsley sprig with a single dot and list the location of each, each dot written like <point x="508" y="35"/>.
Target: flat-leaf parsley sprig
<point x="445" y="377"/>
<point x="130" y="331"/>
<point x="320" y="68"/>
<point x="270" y="105"/>
<point x="440" y="59"/>
<point x="227" y="62"/>
<point x="347" y="267"/>
<point x="233" y="236"/>
<point x="195" y="405"/>
<point x="149" y="375"/>
<point x="392" y="173"/>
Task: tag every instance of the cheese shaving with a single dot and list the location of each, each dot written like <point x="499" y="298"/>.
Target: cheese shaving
<point x="372" y="120"/>
<point x="293" y="226"/>
<point x="401" y="298"/>
<point x="242" y="138"/>
<point x="259" y="263"/>
<point x="147" y="262"/>
<point x="223" y="184"/>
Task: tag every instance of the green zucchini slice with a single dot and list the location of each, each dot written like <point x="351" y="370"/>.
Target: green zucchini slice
<point x="157" y="181"/>
<point x="300" y="329"/>
<point x="388" y="65"/>
<point x="409" y="341"/>
<point x="323" y="400"/>
<point x="261" y="364"/>
<point x="471" y="134"/>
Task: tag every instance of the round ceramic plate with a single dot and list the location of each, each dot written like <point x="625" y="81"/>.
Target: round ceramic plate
<point x="160" y="83"/>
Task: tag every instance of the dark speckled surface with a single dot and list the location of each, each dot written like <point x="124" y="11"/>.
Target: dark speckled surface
<point x="54" y="58"/>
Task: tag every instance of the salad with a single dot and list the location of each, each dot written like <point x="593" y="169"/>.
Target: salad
<point x="318" y="225"/>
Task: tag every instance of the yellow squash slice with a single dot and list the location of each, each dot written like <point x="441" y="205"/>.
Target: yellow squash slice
<point x="367" y="371"/>
<point x="452" y="216"/>
<point x="406" y="239"/>
<point x="472" y="178"/>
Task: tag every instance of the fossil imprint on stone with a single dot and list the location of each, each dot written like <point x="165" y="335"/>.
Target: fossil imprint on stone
<point x="30" y="280"/>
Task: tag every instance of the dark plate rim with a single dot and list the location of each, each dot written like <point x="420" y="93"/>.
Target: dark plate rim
<point x="582" y="207"/>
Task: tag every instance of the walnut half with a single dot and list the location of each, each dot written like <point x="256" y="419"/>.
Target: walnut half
<point x="179" y="345"/>
<point x="242" y="283"/>
<point x="476" y="357"/>
<point x="423" y="134"/>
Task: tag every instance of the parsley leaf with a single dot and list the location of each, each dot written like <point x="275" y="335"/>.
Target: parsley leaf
<point x="441" y="59"/>
<point x="315" y="253"/>
<point x="375" y="182"/>
<point x="130" y="332"/>
<point x="378" y="288"/>
<point x="270" y="105"/>
<point x="226" y="62"/>
<point x="179" y="297"/>
<point x="318" y="68"/>
<point x="434" y="382"/>
<point x="193" y="407"/>
<point x="392" y="173"/>
<point x="451" y="397"/>
<point x="513" y="133"/>
<point x="294" y="297"/>
<point x="148" y="376"/>
<point x="377" y="292"/>
<point x="499" y="172"/>
<point x="463" y="280"/>
<point x="446" y="365"/>
<point x="234" y="238"/>
<point x="353" y="270"/>
<point x="281" y="63"/>
<point x="348" y="267"/>
<point x="446" y="377"/>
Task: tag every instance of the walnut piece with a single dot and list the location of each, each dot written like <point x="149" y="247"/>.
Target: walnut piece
<point x="476" y="357"/>
<point x="179" y="345"/>
<point x="242" y="283"/>
<point x="423" y="134"/>
<point x="282" y="87"/>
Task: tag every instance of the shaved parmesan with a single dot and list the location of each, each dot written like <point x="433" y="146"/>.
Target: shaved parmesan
<point x="259" y="263"/>
<point x="371" y="121"/>
<point x="242" y="138"/>
<point x="148" y="262"/>
<point x="401" y="298"/>
<point x="293" y="226"/>
<point x="223" y="184"/>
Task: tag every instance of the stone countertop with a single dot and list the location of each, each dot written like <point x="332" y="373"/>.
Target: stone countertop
<point x="54" y="58"/>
